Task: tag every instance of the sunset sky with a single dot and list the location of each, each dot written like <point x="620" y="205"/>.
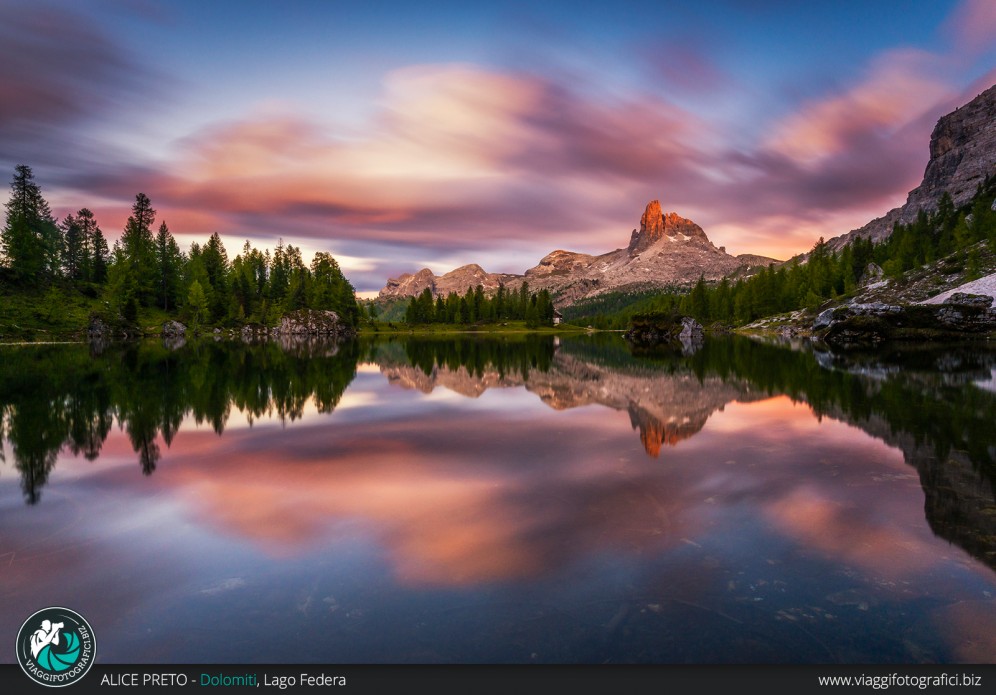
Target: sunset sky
<point x="404" y="135"/>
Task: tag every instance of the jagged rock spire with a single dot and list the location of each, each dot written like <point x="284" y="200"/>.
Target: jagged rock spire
<point x="655" y="225"/>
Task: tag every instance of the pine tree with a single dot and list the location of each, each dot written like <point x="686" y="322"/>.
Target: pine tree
<point x="121" y="282"/>
<point x="523" y="302"/>
<point x="699" y="300"/>
<point x="195" y="272"/>
<point x="168" y="263"/>
<point x="279" y="273"/>
<point x="139" y="251"/>
<point x="298" y="279"/>
<point x="73" y="251"/>
<point x="330" y="290"/>
<point x="532" y="313"/>
<point x="95" y="253"/>
<point x="544" y="308"/>
<point x="963" y="236"/>
<point x="215" y="260"/>
<point x="30" y="239"/>
<point x="426" y="307"/>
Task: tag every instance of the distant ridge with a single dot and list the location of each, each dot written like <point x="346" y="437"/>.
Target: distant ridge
<point x="665" y="251"/>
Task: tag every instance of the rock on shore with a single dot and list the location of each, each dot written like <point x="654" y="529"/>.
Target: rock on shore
<point x="961" y="316"/>
<point x="313" y="322"/>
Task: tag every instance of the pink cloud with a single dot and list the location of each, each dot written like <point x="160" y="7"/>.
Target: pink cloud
<point x="972" y="26"/>
<point x="60" y="72"/>
<point x="896" y="92"/>
<point x="460" y="159"/>
<point x="836" y="162"/>
<point x="455" y="151"/>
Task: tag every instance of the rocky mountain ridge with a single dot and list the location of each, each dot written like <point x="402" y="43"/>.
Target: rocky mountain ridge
<point x="962" y="155"/>
<point x="666" y="250"/>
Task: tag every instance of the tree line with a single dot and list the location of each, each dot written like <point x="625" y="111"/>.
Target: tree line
<point x="947" y="233"/>
<point x="147" y="269"/>
<point x="536" y="309"/>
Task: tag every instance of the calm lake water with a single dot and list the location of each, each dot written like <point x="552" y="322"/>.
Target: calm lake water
<point x="502" y="500"/>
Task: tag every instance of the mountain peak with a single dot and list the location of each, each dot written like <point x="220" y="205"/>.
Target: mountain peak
<point x="655" y="225"/>
<point x="652" y="221"/>
<point x="409" y="284"/>
<point x="667" y="250"/>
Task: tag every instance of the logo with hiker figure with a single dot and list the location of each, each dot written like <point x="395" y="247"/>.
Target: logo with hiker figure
<point x="55" y="647"/>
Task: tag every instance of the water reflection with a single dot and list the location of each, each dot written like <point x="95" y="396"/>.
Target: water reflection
<point x="57" y="396"/>
<point x="936" y="406"/>
<point x="666" y="399"/>
<point x="493" y="493"/>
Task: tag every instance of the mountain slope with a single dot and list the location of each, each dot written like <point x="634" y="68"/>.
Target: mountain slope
<point x="666" y="250"/>
<point x="962" y="155"/>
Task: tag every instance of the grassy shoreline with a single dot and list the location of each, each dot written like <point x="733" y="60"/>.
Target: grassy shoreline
<point x="68" y="324"/>
<point x="507" y="327"/>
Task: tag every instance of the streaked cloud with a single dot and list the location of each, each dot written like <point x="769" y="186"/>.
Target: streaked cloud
<point x="496" y="162"/>
<point x="973" y="25"/>
<point x="61" y="74"/>
<point x="897" y="90"/>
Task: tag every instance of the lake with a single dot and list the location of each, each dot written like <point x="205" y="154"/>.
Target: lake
<point x="519" y="499"/>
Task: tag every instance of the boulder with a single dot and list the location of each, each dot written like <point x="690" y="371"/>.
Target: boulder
<point x="251" y="332"/>
<point x="863" y="325"/>
<point x="657" y="328"/>
<point x="824" y="319"/>
<point x="690" y="329"/>
<point x="98" y="329"/>
<point x="873" y="273"/>
<point x="966" y="299"/>
<point x="313" y="322"/>
<point x="174" y="329"/>
<point x="691" y="336"/>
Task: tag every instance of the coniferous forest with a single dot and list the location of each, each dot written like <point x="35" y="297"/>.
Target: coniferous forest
<point x="536" y="309"/>
<point x="51" y="264"/>
<point x="824" y="274"/>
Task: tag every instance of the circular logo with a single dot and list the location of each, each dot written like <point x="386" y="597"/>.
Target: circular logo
<point x="56" y="647"/>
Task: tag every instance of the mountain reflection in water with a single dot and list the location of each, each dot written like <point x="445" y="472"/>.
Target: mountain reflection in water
<point x="477" y="463"/>
<point x="936" y="405"/>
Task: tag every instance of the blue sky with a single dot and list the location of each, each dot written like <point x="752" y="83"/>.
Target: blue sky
<point x="400" y="135"/>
